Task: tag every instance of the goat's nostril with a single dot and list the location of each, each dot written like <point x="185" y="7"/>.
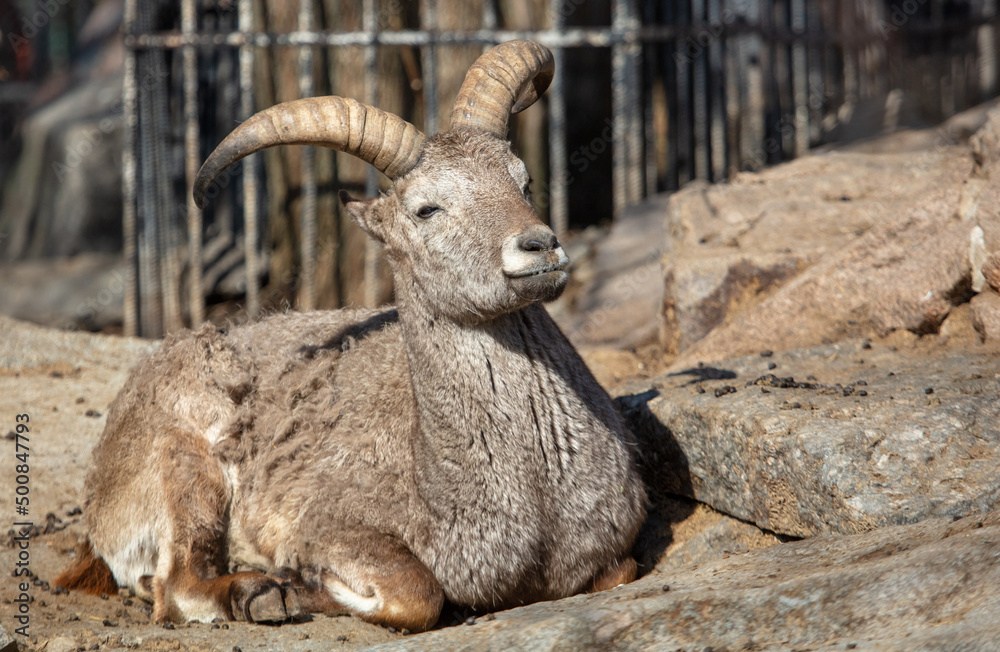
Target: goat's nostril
<point x="538" y="241"/>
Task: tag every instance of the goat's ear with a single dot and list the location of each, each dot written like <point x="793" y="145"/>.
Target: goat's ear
<point x="364" y="214"/>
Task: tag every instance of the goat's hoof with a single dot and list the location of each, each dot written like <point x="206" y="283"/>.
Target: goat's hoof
<point x="266" y="601"/>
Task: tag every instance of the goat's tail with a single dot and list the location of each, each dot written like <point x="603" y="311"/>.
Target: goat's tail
<point x="88" y="573"/>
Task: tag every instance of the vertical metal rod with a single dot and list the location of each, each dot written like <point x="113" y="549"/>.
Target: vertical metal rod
<point x="716" y="76"/>
<point x="700" y="99"/>
<point x="191" y="137"/>
<point x="130" y="315"/>
<point x="682" y="101"/>
<point x="633" y="133"/>
<point x="649" y="122"/>
<point x="800" y="79"/>
<point x="558" y="177"/>
<point x="490" y="17"/>
<point x="250" y="250"/>
<point x="986" y="36"/>
<point x="428" y="62"/>
<point x="372" y="253"/>
<point x="307" y="223"/>
<point x="619" y="114"/>
<point x="150" y="254"/>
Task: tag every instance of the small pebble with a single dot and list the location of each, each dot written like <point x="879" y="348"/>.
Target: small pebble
<point x="860" y="382"/>
<point x="766" y="354"/>
<point x="341" y="638"/>
<point x="169" y="626"/>
<point x="471" y="620"/>
<point x="666" y="587"/>
<point x="699" y="389"/>
<point x="79" y="399"/>
<point x="392" y="630"/>
<point x="866" y="344"/>
<point x="109" y="623"/>
<point x="862" y="393"/>
<point x="772" y="365"/>
<point x="929" y="390"/>
<point x="92" y="413"/>
<point x="489" y="617"/>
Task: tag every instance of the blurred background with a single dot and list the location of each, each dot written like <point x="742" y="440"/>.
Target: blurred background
<point x="107" y="108"/>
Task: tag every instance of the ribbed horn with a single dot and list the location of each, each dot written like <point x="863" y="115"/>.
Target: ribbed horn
<point x="389" y="143"/>
<point x="506" y="79"/>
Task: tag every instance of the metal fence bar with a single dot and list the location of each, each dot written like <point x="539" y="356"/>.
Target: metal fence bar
<point x="250" y="218"/>
<point x="619" y="113"/>
<point x="307" y="219"/>
<point x="372" y="250"/>
<point x="192" y="136"/>
<point x="598" y="37"/>
<point x="558" y="177"/>
<point x="428" y="64"/>
<point x="800" y="80"/>
<point x="130" y="299"/>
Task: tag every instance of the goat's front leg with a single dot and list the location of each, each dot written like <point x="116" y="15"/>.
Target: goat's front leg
<point x="373" y="576"/>
<point x="191" y="580"/>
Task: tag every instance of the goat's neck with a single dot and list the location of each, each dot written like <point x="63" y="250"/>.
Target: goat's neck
<point x="495" y="398"/>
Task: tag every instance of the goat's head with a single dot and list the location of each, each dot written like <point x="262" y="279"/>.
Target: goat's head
<point x="457" y="225"/>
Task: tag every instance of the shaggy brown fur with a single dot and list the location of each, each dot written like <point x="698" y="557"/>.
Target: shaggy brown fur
<point x="379" y="461"/>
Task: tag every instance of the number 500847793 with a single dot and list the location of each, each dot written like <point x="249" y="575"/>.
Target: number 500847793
<point x="21" y="467"/>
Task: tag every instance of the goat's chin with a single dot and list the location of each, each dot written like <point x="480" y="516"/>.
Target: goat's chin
<point x="543" y="287"/>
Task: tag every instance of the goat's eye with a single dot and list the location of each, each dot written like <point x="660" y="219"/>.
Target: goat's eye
<point x="427" y="211"/>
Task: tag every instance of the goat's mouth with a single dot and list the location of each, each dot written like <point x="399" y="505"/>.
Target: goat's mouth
<point x="544" y="280"/>
<point x="543" y="268"/>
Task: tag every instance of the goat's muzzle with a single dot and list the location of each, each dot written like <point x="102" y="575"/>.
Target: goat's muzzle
<point x="535" y="264"/>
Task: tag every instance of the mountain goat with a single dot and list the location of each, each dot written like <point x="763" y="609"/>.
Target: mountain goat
<point x="378" y="461"/>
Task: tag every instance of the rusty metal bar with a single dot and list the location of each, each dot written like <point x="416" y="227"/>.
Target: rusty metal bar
<point x="307" y="219"/>
<point x="571" y="37"/>
<point x="800" y="80"/>
<point x="558" y="176"/>
<point x="633" y="77"/>
<point x="192" y="136"/>
<point x="150" y="253"/>
<point x="250" y="219"/>
<point x="626" y="163"/>
<point x="716" y="96"/>
<point x="372" y="252"/>
<point x="130" y="305"/>
<point x="428" y="64"/>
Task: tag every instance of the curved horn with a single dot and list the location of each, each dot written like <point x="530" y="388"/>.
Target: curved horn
<point x="506" y="79"/>
<point x="389" y="143"/>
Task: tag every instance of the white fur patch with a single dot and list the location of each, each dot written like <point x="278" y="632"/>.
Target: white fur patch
<point x="198" y="609"/>
<point x="349" y="598"/>
<point x="137" y="557"/>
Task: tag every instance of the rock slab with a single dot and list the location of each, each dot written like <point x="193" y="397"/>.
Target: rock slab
<point x="840" y="438"/>
<point x="929" y="586"/>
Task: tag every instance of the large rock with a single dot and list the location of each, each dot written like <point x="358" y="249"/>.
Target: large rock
<point x="929" y="586"/>
<point x="838" y="438"/>
<point x="822" y="247"/>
